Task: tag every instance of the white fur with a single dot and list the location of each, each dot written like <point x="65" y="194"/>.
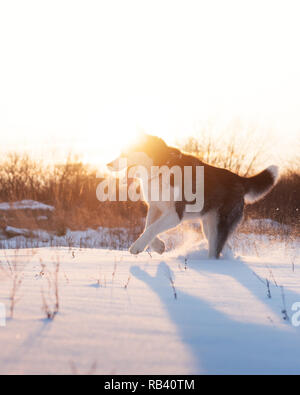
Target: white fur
<point x="164" y="223"/>
<point x="253" y="197"/>
<point x="157" y="245"/>
<point x="274" y="171"/>
<point x="209" y="225"/>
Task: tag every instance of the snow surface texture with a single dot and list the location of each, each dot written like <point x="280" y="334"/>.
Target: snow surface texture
<point x="25" y="205"/>
<point x="122" y="238"/>
<point x="115" y="238"/>
<point x="179" y="313"/>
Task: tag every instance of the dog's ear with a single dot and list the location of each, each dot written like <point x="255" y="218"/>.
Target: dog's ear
<point x="154" y="147"/>
<point x="154" y="142"/>
<point x="161" y="153"/>
<point x="173" y="157"/>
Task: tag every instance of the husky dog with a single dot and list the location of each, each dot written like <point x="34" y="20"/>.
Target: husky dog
<point x="225" y="195"/>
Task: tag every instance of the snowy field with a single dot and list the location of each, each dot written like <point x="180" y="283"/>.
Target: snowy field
<point x="179" y="313"/>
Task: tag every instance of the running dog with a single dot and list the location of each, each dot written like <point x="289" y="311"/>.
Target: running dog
<point x="225" y="195"/>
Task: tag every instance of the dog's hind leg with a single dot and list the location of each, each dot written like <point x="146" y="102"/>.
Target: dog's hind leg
<point x="218" y="226"/>
<point x="210" y="224"/>
<point x="227" y="223"/>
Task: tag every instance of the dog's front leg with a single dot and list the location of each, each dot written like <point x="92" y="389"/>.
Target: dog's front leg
<point x="165" y="222"/>
<point x="154" y="213"/>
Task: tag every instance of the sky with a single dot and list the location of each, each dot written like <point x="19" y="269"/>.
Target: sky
<point x="87" y="76"/>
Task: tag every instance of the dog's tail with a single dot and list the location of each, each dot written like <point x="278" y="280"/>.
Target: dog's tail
<point x="258" y="186"/>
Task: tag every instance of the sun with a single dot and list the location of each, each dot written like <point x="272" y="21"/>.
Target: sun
<point x="106" y="136"/>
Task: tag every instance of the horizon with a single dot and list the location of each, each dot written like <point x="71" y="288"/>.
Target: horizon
<point x="248" y="141"/>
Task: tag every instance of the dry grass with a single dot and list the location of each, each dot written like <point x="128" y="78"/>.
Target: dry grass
<point x="282" y="204"/>
<point x="70" y="188"/>
<point x="241" y="153"/>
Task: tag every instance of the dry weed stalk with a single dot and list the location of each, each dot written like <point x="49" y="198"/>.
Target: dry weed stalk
<point x="15" y="272"/>
<point x="127" y="282"/>
<point x="90" y="372"/>
<point x="284" y="309"/>
<point x="50" y="301"/>
<point x="172" y="282"/>
<point x="266" y="282"/>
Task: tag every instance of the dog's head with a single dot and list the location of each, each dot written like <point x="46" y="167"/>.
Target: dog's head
<point x="147" y="151"/>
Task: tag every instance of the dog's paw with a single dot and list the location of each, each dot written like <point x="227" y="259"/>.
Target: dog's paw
<point x="158" y="246"/>
<point x="137" y="248"/>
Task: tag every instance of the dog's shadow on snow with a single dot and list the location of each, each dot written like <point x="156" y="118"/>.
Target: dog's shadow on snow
<point x="218" y="343"/>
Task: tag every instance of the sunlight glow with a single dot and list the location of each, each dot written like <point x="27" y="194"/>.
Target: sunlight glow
<point x="89" y="75"/>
